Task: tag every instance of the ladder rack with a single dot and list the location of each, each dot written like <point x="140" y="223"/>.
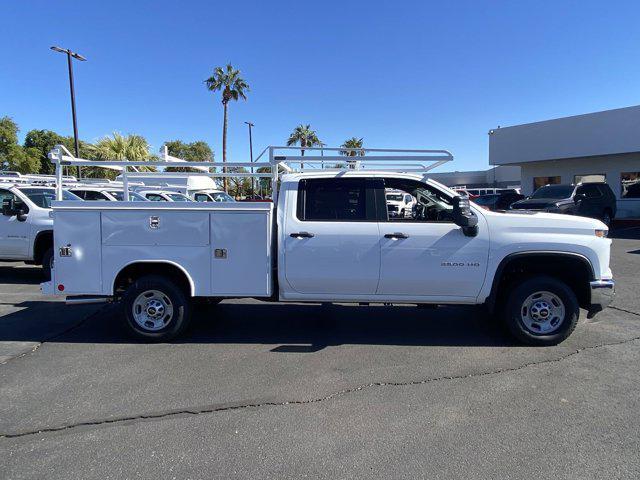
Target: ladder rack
<point x="280" y="159"/>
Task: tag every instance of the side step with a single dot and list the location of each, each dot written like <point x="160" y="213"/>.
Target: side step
<point x="85" y="299"/>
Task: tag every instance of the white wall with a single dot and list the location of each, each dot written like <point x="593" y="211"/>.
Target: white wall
<point x="600" y="133"/>
<point x="610" y="165"/>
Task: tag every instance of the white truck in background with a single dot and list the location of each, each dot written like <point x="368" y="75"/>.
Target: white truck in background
<point x="328" y="237"/>
<point x="26" y="224"/>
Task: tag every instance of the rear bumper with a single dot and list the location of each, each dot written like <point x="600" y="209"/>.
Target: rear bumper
<point x="602" y="293"/>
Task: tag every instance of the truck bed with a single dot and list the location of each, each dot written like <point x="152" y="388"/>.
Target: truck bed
<point x="224" y="249"/>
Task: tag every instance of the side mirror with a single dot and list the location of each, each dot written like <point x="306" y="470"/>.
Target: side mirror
<point x="463" y="217"/>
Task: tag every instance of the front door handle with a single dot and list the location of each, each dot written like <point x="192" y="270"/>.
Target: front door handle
<point x="396" y="235"/>
<point x="302" y="235"/>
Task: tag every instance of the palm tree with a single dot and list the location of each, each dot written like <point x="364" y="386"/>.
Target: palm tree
<point x="305" y="137"/>
<point x="233" y="87"/>
<point x="121" y="147"/>
<point x="352" y="143"/>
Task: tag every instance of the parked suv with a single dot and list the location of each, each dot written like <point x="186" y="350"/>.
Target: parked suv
<point x="595" y="200"/>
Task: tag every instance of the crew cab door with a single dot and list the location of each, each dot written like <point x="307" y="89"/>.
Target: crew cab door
<point x="331" y="238"/>
<point x="427" y="256"/>
<point x="14" y="234"/>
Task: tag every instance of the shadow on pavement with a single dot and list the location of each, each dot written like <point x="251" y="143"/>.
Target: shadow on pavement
<point x="625" y="233"/>
<point x="20" y="275"/>
<point x="293" y="328"/>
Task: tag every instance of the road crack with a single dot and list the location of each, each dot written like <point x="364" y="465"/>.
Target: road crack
<point x="55" y="336"/>
<point x="347" y="391"/>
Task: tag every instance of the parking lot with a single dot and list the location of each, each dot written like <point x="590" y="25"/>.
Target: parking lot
<point x="287" y="391"/>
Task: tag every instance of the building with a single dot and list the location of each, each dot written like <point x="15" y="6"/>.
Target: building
<point x="601" y="146"/>
<point x="507" y="176"/>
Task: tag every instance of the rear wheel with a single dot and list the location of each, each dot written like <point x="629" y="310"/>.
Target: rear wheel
<point x="156" y="309"/>
<point x="541" y="310"/>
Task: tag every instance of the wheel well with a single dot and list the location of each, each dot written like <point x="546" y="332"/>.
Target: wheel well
<point x="574" y="270"/>
<point x="132" y="272"/>
<point x="44" y="241"/>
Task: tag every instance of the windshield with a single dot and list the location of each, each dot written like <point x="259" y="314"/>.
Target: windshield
<point x="486" y="200"/>
<point x="178" y="197"/>
<point x="394" y="197"/>
<point x="553" y="191"/>
<point x="133" y="196"/>
<point x="43" y="197"/>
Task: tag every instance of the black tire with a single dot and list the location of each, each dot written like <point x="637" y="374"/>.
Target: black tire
<point x="169" y="295"/>
<point x="514" y="311"/>
<point x="607" y="217"/>
<point x="47" y="263"/>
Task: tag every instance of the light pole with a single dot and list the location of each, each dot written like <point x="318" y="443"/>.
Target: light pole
<point x="250" y="125"/>
<point x="77" y="56"/>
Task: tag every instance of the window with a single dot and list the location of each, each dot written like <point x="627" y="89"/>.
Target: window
<point x="589" y="191"/>
<point x="202" y="197"/>
<point x="542" y="181"/>
<point x="178" y="197"/>
<point x="554" y="191"/>
<point x="336" y="199"/>
<point x="222" y="197"/>
<point x="43" y="197"/>
<point x="630" y="185"/>
<point x="590" y="178"/>
<point x="154" y="197"/>
<point x="426" y="204"/>
<point x="6" y="196"/>
<point x="90" y="195"/>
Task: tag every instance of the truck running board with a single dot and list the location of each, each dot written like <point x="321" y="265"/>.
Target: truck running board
<point x="84" y="299"/>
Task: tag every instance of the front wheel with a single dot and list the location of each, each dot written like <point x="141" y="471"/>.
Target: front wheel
<point x="155" y="309"/>
<point x="606" y="218"/>
<point x="541" y="311"/>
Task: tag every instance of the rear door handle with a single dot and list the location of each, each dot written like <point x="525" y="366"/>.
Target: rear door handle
<point x="397" y="235"/>
<point x="302" y="235"/>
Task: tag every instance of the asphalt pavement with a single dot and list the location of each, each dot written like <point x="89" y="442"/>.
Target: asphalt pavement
<point x="258" y="390"/>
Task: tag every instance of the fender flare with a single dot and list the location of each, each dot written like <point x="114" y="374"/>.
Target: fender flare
<point x="192" y="287"/>
<point x="491" y="299"/>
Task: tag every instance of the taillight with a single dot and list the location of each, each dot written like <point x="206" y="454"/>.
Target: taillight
<point x="601" y="233"/>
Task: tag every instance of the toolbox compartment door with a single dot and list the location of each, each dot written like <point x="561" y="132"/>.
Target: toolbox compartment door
<point x="241" y="253"/>
<point x="77" y="252"/>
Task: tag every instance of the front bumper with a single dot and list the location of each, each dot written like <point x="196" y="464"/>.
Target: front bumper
<point x="602" y="293"/>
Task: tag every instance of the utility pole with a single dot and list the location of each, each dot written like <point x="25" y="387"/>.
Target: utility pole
<point x="253" y="190"/>
<point x="77" y="56"/>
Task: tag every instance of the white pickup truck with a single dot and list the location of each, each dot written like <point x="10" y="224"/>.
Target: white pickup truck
<point x="329" y="238"/>
<point x="26" y="224"/>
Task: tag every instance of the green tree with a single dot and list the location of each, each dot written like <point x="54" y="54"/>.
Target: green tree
<point x="239" y="186"/>
<point x="305" y="137"/>
<point x="233" y="87"/>
<point x="45" y="140"/>
<point x="350" y="143"/>
<point x="13" y="156"/>
<point x="120" y="147"/>
<point x="198" y="151"/>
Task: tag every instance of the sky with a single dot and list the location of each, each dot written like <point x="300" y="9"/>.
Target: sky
<point x="400" y="74"/>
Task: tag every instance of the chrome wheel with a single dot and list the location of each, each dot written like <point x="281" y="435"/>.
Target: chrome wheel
<point x="542" y="313"/>
<point x="152" y="310"/>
